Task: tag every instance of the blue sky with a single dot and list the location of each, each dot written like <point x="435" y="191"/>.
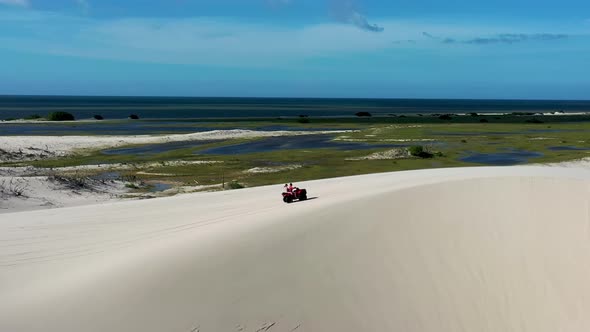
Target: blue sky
<point x="297" y="48"/>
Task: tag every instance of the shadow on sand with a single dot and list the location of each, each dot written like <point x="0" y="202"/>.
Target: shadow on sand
<point x="308" y="199"/>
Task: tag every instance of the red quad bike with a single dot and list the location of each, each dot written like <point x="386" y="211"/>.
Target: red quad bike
<point x="297" y="194"/>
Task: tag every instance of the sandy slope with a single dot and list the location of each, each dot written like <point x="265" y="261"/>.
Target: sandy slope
<point x="476" y="249"/>
<point x="43" y="192"/>
<point x="579" y="163"/>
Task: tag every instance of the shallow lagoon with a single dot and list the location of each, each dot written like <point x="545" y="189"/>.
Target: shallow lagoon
<point x="151" y="149"/>
<point x="268" y="144"/>
<point x="293" y="143"/>
<point x="567" y="148"/>
<point x="506" y="157"/>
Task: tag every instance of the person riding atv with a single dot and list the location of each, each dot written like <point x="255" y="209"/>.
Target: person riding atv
<point x="293" y="193"/>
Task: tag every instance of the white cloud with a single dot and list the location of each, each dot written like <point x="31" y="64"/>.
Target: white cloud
<point x="21" y="3"/>
<point x="213" y="41"/>
<point x="345" y="11"/>
<point x="206" y="41"/>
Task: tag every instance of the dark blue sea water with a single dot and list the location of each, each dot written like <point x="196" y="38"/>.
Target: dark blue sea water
<point x="181" y="108"/>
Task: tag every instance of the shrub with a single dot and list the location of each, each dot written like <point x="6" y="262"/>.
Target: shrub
<point x="360" y="114"/>
<point x="416" y="150"/>
<point x="235" y="185"/>
<point x="446" y="117"/>
<point x="73" y="181"/>
<point x="303" y="115"/>
<point x="419" y="151"/>
<point x="134" y="117"/>
<point x="484" y="121"/>
<point x="60" y="116"/>
<point x="98" y="117"/>
<point x="33" y="117"/>
<point x="534" y="121"/>
<point x="303" y="120"/>
<point x="473" y="114"/>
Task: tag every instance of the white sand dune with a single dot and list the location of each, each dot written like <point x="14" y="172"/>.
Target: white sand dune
<point x="464" y="249"/>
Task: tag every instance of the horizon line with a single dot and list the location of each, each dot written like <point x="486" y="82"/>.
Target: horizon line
<point x="302" y="98"/>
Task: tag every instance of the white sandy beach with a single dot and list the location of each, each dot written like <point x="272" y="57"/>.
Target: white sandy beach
<point x="463" y="249"/>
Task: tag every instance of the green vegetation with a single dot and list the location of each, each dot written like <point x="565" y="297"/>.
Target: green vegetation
<point x="419" y="151"/>
<point x="235" y="185"/>
<point x="98" y="117"/>
<point x="60" y="116"/>
<point x="33" y="117"/>
<point x="134" y="117"/>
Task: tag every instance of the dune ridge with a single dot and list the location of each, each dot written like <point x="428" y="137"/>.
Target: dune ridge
<point x="463" y="249"/>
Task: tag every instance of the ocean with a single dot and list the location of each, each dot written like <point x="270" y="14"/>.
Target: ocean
<point x="194" y="108"/>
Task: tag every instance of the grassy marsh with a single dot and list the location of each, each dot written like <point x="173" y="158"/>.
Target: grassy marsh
<point x="452" y="139"/>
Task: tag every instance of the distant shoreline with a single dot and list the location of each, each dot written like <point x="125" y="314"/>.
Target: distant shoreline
<point x="228" y="108"/>
<point x="294" y="117"/>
